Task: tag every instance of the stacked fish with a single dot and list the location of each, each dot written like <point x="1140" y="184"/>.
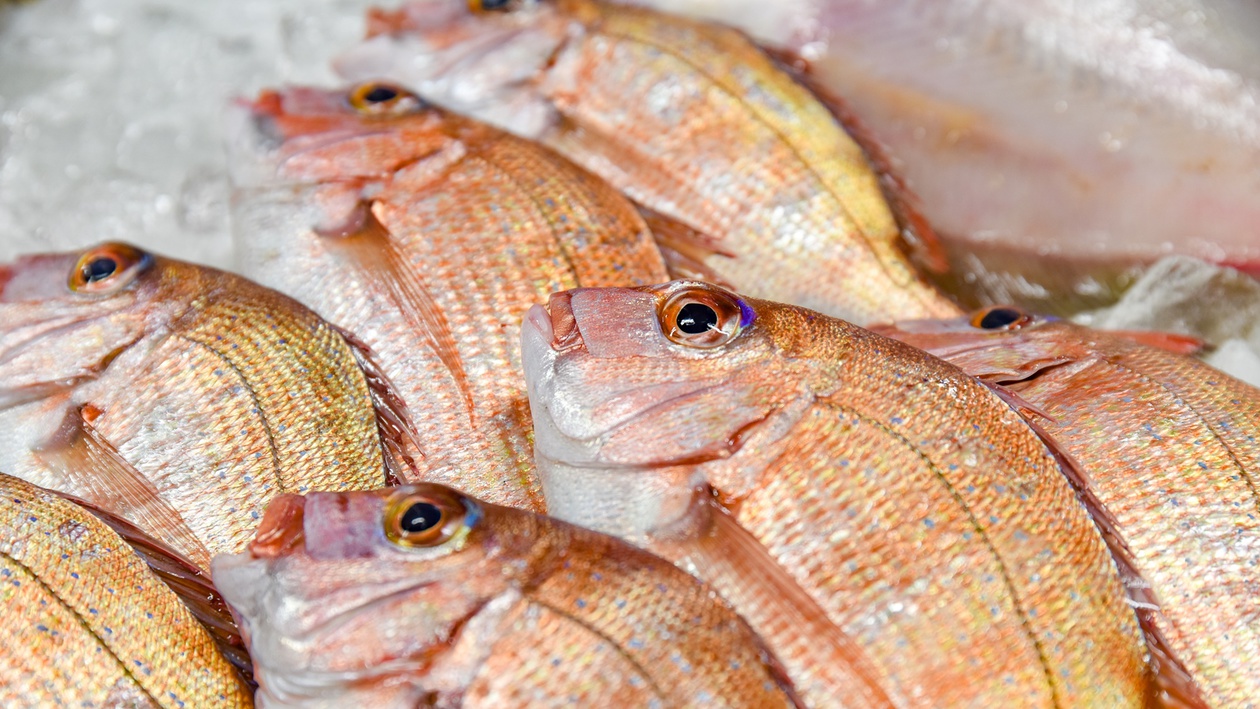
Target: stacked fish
<point x="400" y="479"/>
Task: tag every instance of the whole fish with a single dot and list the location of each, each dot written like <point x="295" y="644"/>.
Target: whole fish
<point x="746" y="176"/>
<point x="429" y="235"/>
<point x="422" y="595"/>
<point x="1143" y="115"/>
<point x="1168" y="445"/>
<point x="915" y="507"/>
<point x="178" y="397"/>
<point x="84" y="622"/>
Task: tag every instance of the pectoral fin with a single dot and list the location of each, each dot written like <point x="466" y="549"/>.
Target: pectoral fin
<point x="684" y="249"/>
<point x="84" y="464"/>
<point x="399" y="439"/>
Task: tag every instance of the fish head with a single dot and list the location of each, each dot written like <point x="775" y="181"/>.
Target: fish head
<point x="67" y="316"/>
<point x="1000" y="343"/>
<point x="628" y="381"/>
<point x="344" y="589"/>
<point x="485" y="58"/>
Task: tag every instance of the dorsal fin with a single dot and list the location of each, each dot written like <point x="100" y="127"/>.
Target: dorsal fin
<point x="919" y="240"/>
<point x="191" y="584"/>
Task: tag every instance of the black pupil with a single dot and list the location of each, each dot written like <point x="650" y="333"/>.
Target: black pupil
<point x="494" y="4"/>
<point x="99" y="269"/>
<point x="999" y="318"/>
<point x="420" y="517"/>
<point x="380" y="94"/>
<point x="696" y="318"/>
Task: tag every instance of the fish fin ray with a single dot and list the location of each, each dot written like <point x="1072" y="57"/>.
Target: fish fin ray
<point x="90" y="465"/>
<point x="684" y="249"/>
<point x="373" y="251"/>
<point x="918" y="238"/>
<point x="191" y="584"/>
<point x="393" y="420"/>
<point x="727" y="551"/>
<point x="1167" y="341"/>
<point x="1170" y="679"/>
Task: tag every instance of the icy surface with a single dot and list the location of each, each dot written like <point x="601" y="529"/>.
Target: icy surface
<point x="112" y="113"/>
<point x="1185" y="295"/>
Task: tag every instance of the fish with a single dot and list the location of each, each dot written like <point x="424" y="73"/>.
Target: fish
<point x="1057" y="149"/>
<point x="180" y="398"/>
<point x="1167" y="444"/>
<point x="86" y="623"/>
<point x="912" y="504"/>
<point x="747" y="178"/>
<point x="429" y="235"/>
<point x="423" y="595"/>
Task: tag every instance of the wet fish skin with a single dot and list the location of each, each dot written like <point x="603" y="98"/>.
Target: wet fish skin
<point x="478" y="605"/>
<point x="86" y="623"/>
<point x="177" y="397"/>
<point x="345" y="200"/>
<point x="913" y="505"/>
<point x="1169" y="447"/>
<point x="690" y="120"/>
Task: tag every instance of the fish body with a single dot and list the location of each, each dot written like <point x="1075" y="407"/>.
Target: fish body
<point x="420" y="594"/>
<point x="1169" y="447"/>
<point x="429" y="235"/>
<point x="1142" y="115"/>
<point x="178" y="397"/>
<point x="915" y="507"/>
<point x="86" y="623"/>
<point x="749" y="178"/>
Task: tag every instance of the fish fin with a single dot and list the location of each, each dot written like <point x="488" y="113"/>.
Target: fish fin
<point x="372" y="250"/>
<point x="191" y="584"/>
<point x="1249" y="267"/>
<point x="1015" y="401"/>
<point x="393" y="420"/>
<point x="683" y="248"/>
<point x="919" y="239"/>
<point x="1171" y="683"/>
<point x="89" y="465"/>
<point x="739" y="567"/>
<point x="1168" y="341"/>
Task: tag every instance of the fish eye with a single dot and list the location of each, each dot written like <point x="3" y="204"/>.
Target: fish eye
<point x="108" y="268"/>
<point x="1000" y="317"/>
<point x="493" y="5"/>
<point x="378" y="98"/>
<point x="427" y="517"/>
<point x="704" y="317"/>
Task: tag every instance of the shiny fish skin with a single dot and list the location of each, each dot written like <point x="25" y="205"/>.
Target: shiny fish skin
<point x="182" y="401"/>
<point x="501" y="607"/>
<point x="914" y="505"/>
<point x="85" y="623"/>
<point x="480" y="223"/>
<point x="1170" y="448"/>
<point x="690" y="120"/>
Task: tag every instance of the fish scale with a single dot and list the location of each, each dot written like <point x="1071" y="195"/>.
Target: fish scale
<point x="225" y="395"/>
<point x="95" y="626"/>
<point x="484" y="223"/>
<point x="924" y="517"/>
<point x="1167" y="445"/>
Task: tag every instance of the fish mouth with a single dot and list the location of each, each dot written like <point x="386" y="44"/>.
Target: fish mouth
<point x="564" y="328"/>
<point x="282" y="528"/>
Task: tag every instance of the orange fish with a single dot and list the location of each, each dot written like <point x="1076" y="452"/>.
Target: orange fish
<point x="86" y="623"/>
<point x="747" y="177"/>
<point x="421" y="595"/>
<point x="910" y="503"/>
<point x="1168" y="447"/>
<point x="429" y="235"/>
<point x="178" y="397"/>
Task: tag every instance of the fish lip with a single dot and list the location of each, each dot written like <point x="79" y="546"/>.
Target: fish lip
<point x="282" y="528"/>
<point x="565" y="334"/>
<point x="6" y="275"/>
